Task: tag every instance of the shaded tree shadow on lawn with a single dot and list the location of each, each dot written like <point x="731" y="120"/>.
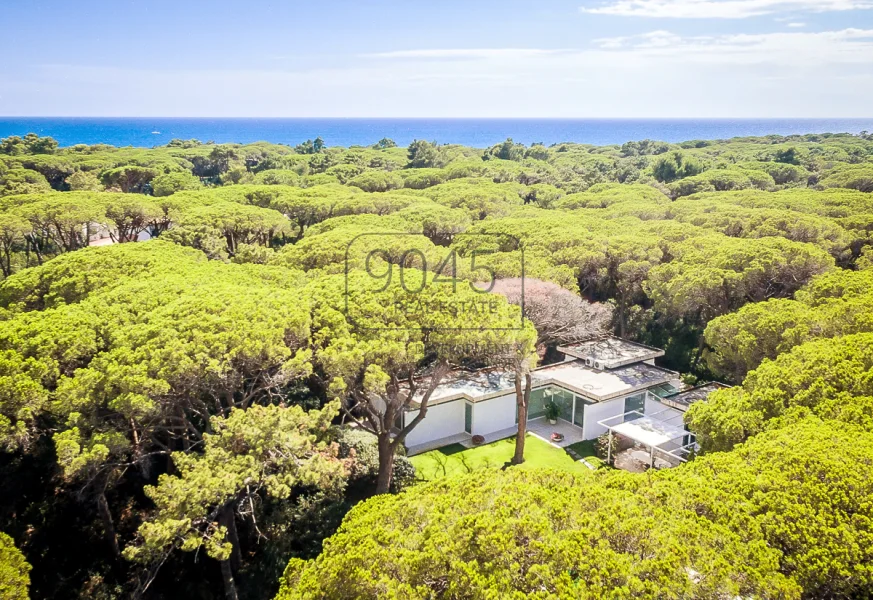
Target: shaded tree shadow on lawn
<point x="451" y="449"/>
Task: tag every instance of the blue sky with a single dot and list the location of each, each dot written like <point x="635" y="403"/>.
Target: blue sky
<point x="583" y="58"/>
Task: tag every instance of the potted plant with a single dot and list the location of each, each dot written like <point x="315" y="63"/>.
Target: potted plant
<point x="552" y="412"/>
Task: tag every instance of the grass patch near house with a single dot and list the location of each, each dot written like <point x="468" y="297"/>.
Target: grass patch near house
<point x="456" y="460"/>
<point x="587" y="451"/>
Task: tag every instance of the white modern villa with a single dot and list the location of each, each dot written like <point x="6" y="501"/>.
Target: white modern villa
<point x="602" y="385"/>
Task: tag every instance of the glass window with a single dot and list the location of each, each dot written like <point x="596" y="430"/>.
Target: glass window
<point x="635" y="403"/>
<point x="663" y="390"/>
<point x="537" y="406"/>
<point x="468" y="417"/>
<point x="579" y="417"/>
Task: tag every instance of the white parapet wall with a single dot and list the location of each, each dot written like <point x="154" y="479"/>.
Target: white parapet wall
<point x="493" y="415"/>
<point x="442" y="420"/>
<point x="598" y="412"/>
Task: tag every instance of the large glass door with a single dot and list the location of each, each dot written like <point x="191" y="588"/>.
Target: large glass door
<point x="468" y="417"/>
<point x="635" y="403"/>
<point x="541" y="398"/>
<point x="564" y="400"/>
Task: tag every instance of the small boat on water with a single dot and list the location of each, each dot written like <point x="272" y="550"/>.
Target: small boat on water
<point x="156" y="132"/>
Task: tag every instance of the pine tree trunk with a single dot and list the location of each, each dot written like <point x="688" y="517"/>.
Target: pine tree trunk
<point x="622" y="325"/>
<point x="386" y="464"/>
<point x="7" y="263"/>
<point x="229" y="583"/>
<point x="226" y="518"/>
<point x="521" y="401"/>
<point x="108" y="525"/>
<point x="699" y="352"/>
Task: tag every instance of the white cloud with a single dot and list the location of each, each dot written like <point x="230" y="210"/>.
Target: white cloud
<point x="464" y="53"/>
<point x="791" y="73"/>
<point x="783" y="48"/>
<point x="795" y="24"/>
<point x="720" y="9"/>
<point x="653" y="39"/>
<point x="798" y="49"/>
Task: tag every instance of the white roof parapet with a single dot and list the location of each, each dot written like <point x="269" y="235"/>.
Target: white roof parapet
<point x="611" y="352"/>
<point x="474" y="386"/>
<point x="599" y="385"/>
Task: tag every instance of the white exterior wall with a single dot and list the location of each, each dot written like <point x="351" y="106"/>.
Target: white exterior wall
<point x="493" y="415"/>
<point x="442" y="420"/>
<point x="598" y="412"/>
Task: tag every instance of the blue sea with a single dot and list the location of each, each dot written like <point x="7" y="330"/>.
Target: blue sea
<point x="479" y="133"/>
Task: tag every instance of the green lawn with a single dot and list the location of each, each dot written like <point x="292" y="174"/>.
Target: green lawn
<point x="455" y="459"/>
<point x="586" y="450"/>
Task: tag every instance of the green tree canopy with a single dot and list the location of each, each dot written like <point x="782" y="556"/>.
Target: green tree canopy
<point x="424" y="154"/>
<point x="377" y="181"/>
<point x="84" y="181"/>
<point x="14" y="571"/>
<point x="119" y="365"/>
<point x="708" y="529"/>
<point x="29" y="144"/>
<point x="22" y="181"/>
<point x="832" y="378"/>
<point x="675" y="165"/>
<point x="713" y="275"/>
<point x="385" y="143"/>
<point x="265" y="449"/>
<point x="836" y="303"/>
<point x="129" y="179"/>
<point x="170" y="183"/>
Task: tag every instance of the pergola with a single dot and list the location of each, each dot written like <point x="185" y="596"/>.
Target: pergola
<point x="648" y="430"/>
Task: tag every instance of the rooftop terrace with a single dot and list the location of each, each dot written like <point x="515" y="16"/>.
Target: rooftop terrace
<point x="599" y="385"/>
<point x="610" y="353"/>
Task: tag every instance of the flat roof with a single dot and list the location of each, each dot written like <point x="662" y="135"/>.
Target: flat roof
<point x="611" y="352"/>
<point x="682" y="400"/>
<point x="572" y="375"/>
<point x="472" y="385"/>
<point x="599" y="385"/>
